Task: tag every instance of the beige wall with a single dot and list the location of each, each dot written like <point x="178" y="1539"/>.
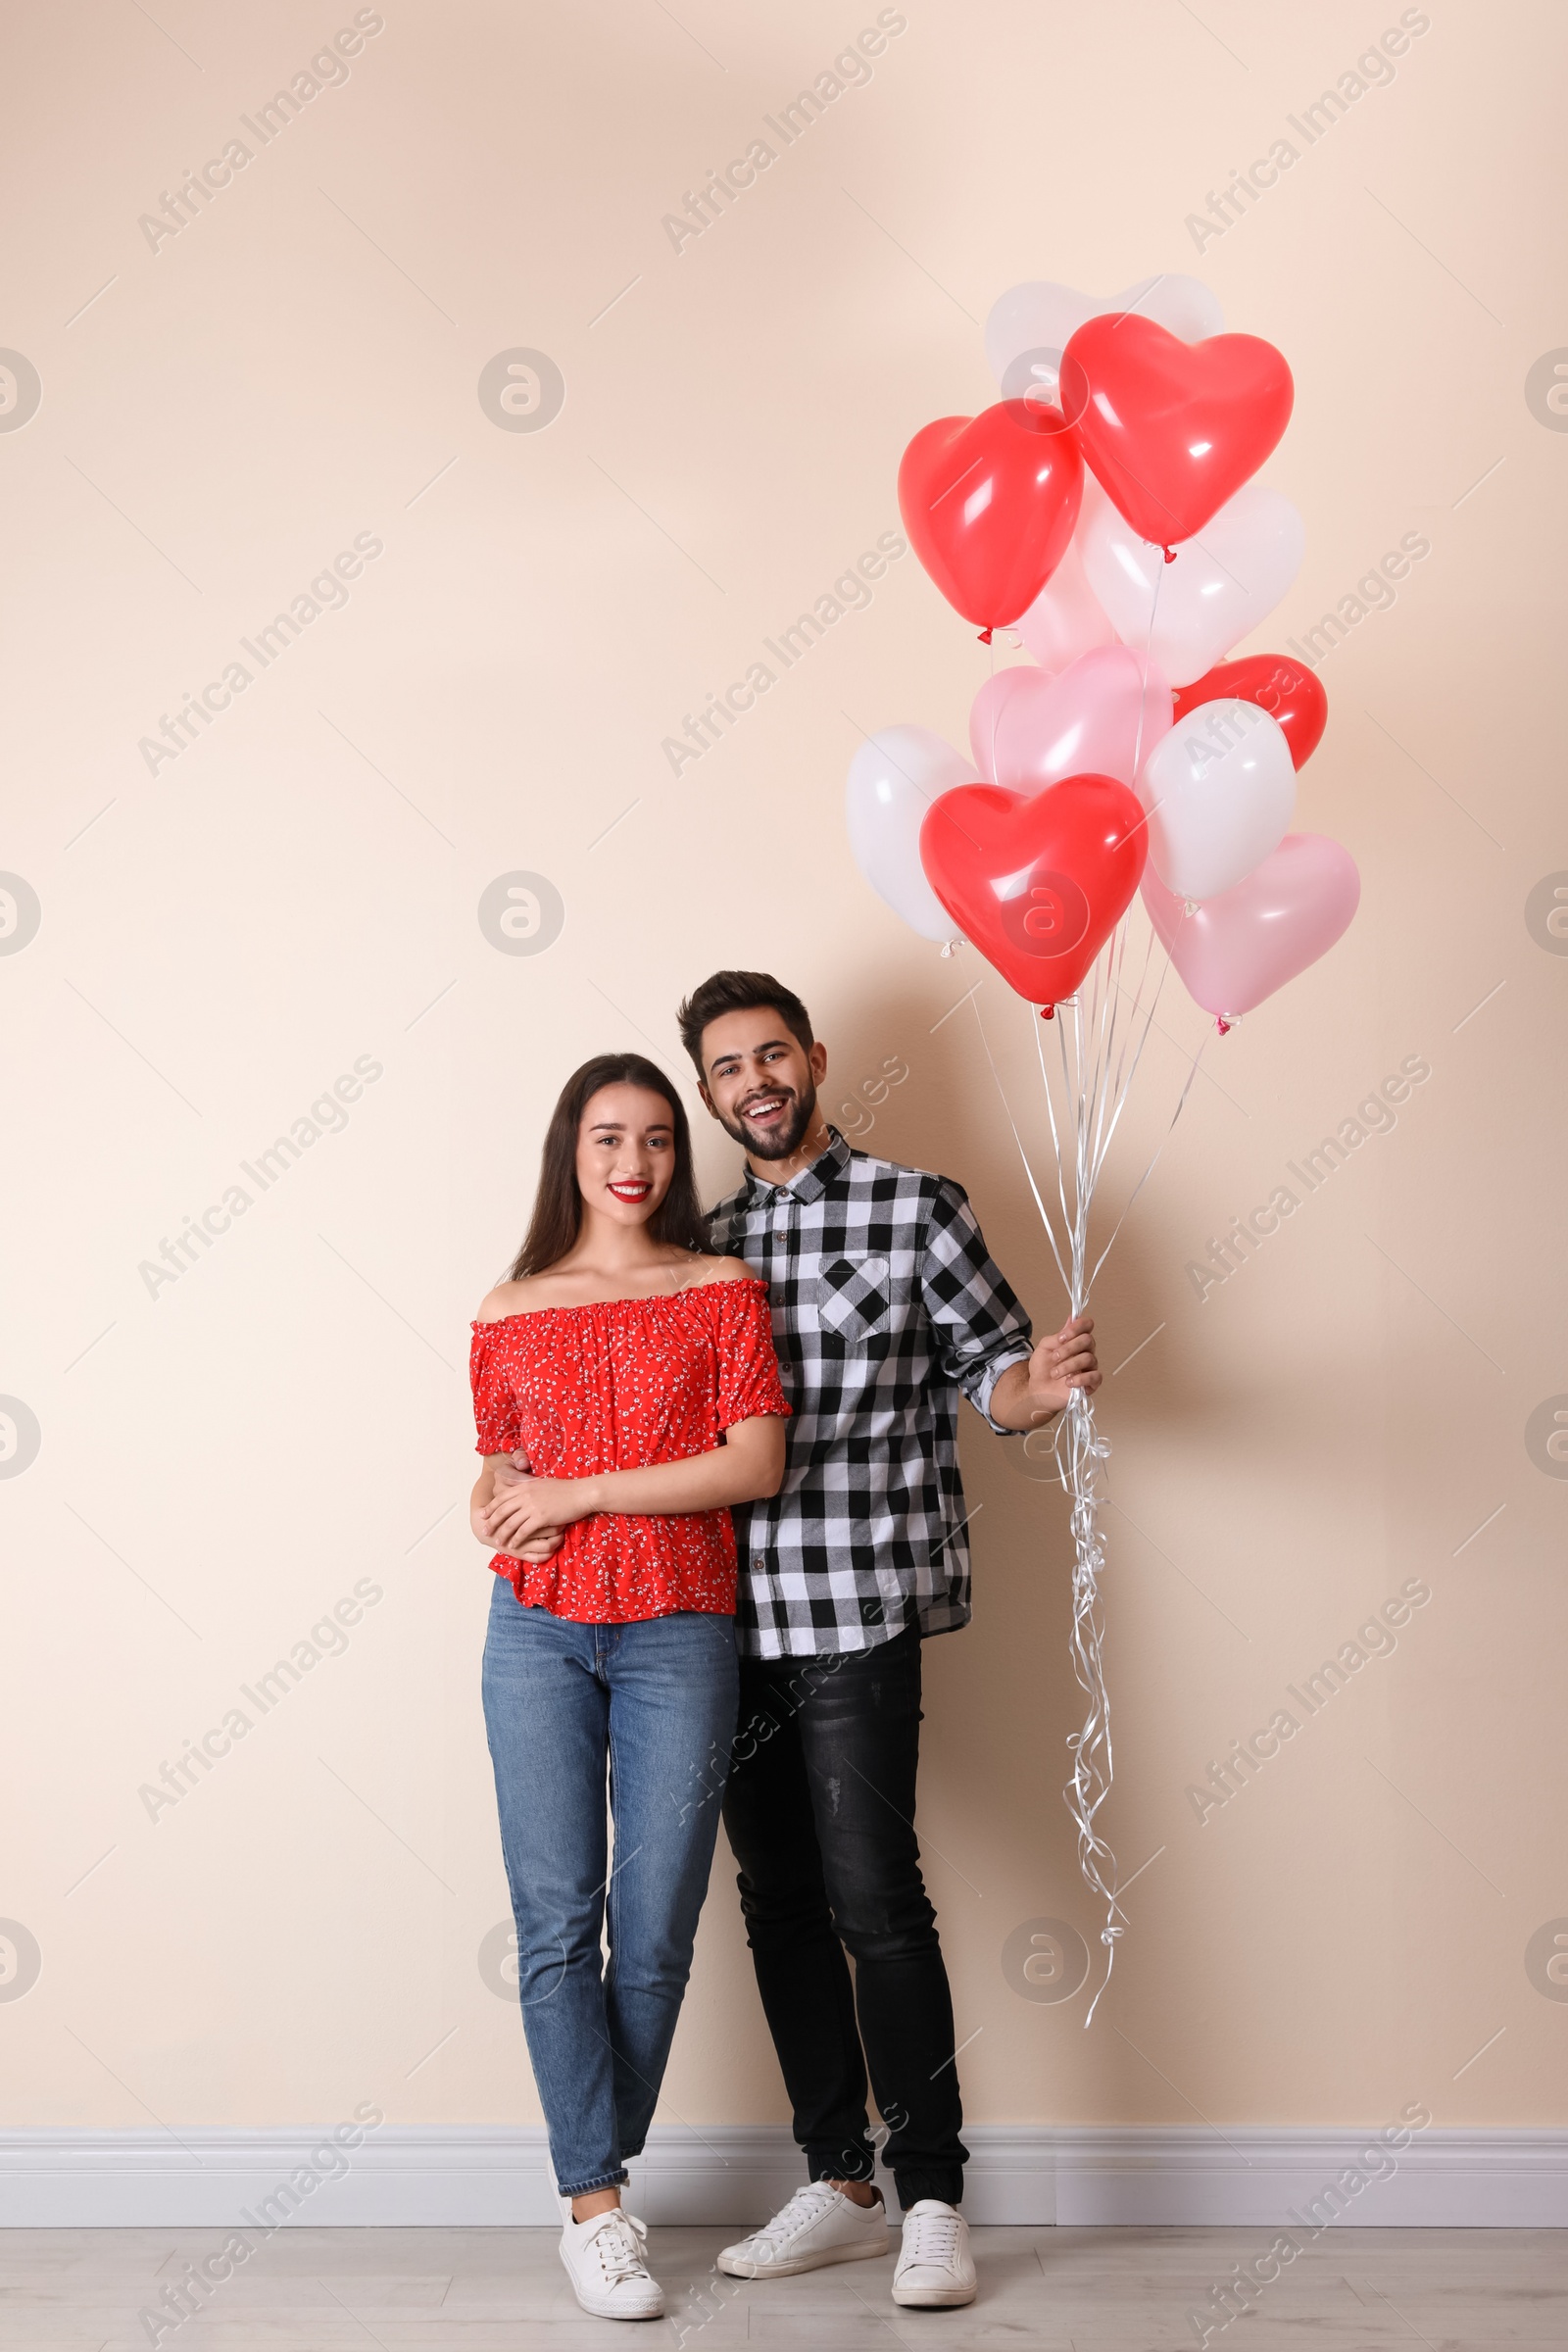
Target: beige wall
<point x="223" y="1461"/>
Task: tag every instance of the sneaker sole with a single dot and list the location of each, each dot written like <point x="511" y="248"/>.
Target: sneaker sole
<point x="934" y="2298"/>
<point x="736" y="2269"/>
<point x="606" y="2310"/>
<point x="615" y="2311"/>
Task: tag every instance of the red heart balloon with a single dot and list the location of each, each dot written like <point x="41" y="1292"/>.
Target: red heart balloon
<point x="1287" y="690"/>
<point x="1037" y="883"/>
<point x="989" y="503"/>
<point x="1172" y="430"/>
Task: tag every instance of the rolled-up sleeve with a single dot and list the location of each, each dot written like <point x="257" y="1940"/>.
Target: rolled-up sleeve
<point x="979" y="1325"/>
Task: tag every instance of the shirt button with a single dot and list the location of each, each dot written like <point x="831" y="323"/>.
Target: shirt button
<point x="758" y="1561"/>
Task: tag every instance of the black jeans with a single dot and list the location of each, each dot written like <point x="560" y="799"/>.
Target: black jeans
<point x="819" y="1810"/>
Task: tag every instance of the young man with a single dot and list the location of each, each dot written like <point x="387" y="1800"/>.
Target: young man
<point x="885" y="1305"/>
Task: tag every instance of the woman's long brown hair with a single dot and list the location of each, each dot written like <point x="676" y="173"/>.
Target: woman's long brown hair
<point x="557" y="1219"/>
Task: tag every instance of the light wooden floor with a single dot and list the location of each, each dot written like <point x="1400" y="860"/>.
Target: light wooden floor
<point x="1061" y="2290"/>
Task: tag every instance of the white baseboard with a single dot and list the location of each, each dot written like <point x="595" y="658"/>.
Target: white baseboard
<point x="490" y="2176"/>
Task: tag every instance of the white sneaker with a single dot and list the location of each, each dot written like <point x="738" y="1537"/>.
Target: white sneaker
<point x="935" y="2266"/>
<point x="604" y="2260"/>
<point x="818" y="2224"/>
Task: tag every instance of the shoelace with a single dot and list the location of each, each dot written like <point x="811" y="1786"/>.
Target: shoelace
<point x="618" y="2246"/>
<point x="807" y="2205"/>
<point x="934" y="2238"/>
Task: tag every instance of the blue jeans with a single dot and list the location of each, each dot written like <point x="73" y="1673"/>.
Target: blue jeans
<point x="653" y="1706"/>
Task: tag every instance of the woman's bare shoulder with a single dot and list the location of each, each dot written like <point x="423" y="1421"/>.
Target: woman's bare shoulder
<point x="722" y="1269"/>
<point x="510" y="1298"/>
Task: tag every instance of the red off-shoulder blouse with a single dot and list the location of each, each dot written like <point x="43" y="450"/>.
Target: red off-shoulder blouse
<point x="616" y="1386"/>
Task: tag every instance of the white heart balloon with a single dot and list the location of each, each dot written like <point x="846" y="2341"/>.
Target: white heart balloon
<point x="894" y="778"/>
<point x="1220" y="791"/>
<point x="1030" y="325"/>
<point x="1064" y="623"/>
<point x="1217" y="588"/>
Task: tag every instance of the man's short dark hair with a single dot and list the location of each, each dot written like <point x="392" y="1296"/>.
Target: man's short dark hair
<point x="740" y="992"/>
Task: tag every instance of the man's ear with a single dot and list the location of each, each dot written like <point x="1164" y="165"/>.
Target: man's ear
<point x="708" y="1100"/>
<point x="817" y="1058"/>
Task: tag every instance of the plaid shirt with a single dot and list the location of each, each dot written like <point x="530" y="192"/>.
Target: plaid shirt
<point x="884" y="1302"/>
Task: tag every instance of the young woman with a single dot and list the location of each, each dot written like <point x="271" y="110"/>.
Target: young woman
<point x="625" y="1391"/>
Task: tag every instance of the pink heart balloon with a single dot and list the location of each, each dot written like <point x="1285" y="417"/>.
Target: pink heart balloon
<point x="1234" y="950"/>
<point x="1028" y="730"/>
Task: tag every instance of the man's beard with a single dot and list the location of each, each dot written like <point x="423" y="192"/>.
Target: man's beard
<point x="777" y="1143"/>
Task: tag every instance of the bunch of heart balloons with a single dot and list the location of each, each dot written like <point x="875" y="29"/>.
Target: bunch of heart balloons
<point x="1105" y="510"/>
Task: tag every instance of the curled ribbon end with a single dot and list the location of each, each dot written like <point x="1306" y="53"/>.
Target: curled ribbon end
<point x="985" y="636"/>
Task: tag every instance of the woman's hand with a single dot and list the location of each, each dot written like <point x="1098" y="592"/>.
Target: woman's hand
<point x="523" y="1511"/>
<point x="499" y="1471"/>
<point x="516" y="1513"/>
<point x="534" y="1549"/>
